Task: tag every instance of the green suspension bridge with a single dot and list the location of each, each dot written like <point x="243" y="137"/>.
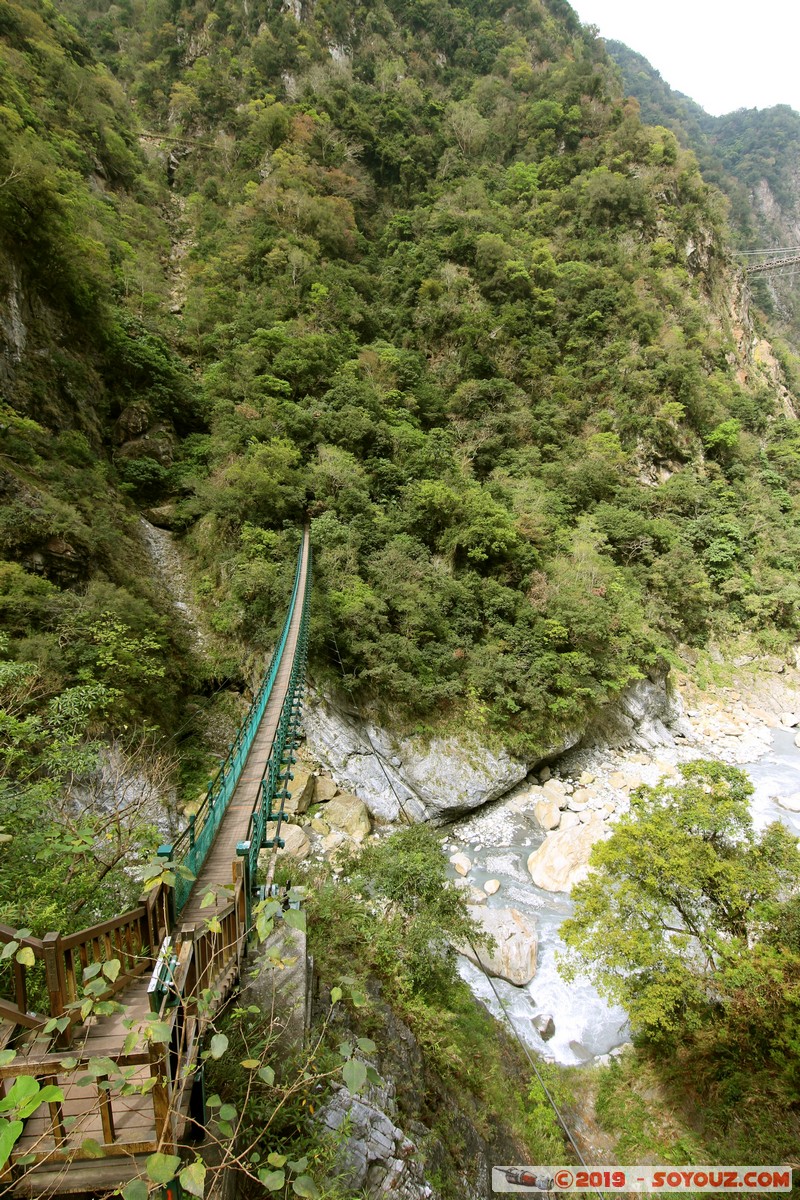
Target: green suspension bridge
<point x="170" y="946"/>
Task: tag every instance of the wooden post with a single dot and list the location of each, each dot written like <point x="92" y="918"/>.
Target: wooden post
<point x="57" y="1120"/>
<point x="106" y="1113"/>
<point x="162" y="1097"/>
<point x="54" y="973"/>
<point x="56" y="983"/>
<point x="20" y="986"/>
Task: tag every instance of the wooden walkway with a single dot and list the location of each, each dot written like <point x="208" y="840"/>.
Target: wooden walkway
<point x="216" y="873"/>
<point x="129" y="1127"/>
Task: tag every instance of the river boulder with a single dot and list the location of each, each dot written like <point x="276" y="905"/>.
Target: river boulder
<point x="513" y="957"/>
<point x="563" y="858"/>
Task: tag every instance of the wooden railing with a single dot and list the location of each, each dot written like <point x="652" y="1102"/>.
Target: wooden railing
<point x="204" y="965"/>
<point x="131" y="938"/>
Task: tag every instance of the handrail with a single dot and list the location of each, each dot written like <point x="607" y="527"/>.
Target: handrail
<point x="192" y="845"/>
<point x="278" y="768"/>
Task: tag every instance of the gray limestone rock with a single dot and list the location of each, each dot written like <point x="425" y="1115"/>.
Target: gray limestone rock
<point x="437" y="779"/>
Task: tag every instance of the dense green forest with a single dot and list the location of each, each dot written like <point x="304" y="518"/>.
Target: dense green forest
<point x="419" y="274"/>
<point x="752" y="155"/>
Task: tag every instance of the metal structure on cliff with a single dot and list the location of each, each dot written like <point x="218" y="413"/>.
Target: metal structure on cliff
<point x="773" y="261"/>
<point x="171" y="962"/>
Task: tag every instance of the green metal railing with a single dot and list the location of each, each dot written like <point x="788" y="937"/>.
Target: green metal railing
<point x="277" y="773"/>
<point x="191" y="847"/>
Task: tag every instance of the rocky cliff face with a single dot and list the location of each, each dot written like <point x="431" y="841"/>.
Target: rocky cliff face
<point x="445" y="777"/>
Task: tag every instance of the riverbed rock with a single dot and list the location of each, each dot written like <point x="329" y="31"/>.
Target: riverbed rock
<point x="645" y="715"/>
<point x="296" y="844"/>
<point x="302" y="792"/>
<point x="462" y="863"/>
<point x="472" y="894"/>
<point x="791" y="802"/>
<point x="790" y="719"/>
<point x="324" y="789"/>
<point x="514" y="955"/>
<point x="563" y="858"/>
<point x="436" y="779"/>
<point x="491" y="886"/>
<point x="548" y="813"/>
<point x="569" y="820"/>
<point x="348" y="813"/>
<point x="554" y="789"/>
<point x="544" y="1025"/>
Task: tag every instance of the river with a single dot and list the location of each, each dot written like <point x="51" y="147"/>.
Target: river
<point x="498" y="841"/>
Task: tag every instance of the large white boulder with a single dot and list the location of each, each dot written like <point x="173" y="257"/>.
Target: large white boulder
<point x="301" y="791"/>
<point x="296" y="843"/>
<point x="514" y="956"/>
<point x="548" y="813"/>
<point x="791" y="802"/>
<point x="348" y="813"/>
<point x="563" y="858"/>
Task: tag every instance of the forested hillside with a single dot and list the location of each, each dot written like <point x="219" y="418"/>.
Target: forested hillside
<point x="416" y="273"/>
<point x="753" y="155"/>
<point x="419" y="273"/>
<point x="447" y="294"/>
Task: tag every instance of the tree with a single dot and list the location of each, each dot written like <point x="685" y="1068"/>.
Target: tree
<point x="684" y="898"/>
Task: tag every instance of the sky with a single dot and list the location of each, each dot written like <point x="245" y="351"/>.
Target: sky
<point x="725" y="54"/>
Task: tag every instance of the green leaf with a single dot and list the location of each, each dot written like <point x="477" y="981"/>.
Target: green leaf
<point x="227" y="1113"/>
<point x="92" y="1149"/>
<point x="9" y="950"/>
<point x="112" y="969"/>
<point x="358" y="998"/>
<point x="6" y="1057"/>
<point x="92" y="971"/>
<point x="272" y="1180"/>
<point x="135" y="1189"/>
<point x="373" y="1076"/>
<point x="10" y="1132"/>
<point x="214" y="925"/>
<point x="299" y="1164"/>
<point x="366" y="1044"/>
<point x="159" y="1031"/>
<point x="336" y="995"/>
<point x="346" y="1050"/>
<point x="161" y="1168"/>
<point x="213" y="1101"/>
<point x="26" y="957"/>
<point x="296" y="918"/>
<point x="50" y="1094"/>
<point x="305" y="1186"/>
<point x="219" y="1044"/>
<point x="354" y="1074"/>
<point x="267" y="1074"/>
<point x="193" y="1179"/>
<point x="250" y="1064"/>
<point x="276" y="1160"/>
<point x="23" y="1093"/>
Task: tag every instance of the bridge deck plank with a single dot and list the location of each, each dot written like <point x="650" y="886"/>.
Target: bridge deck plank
<point x="218" y="868"/>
